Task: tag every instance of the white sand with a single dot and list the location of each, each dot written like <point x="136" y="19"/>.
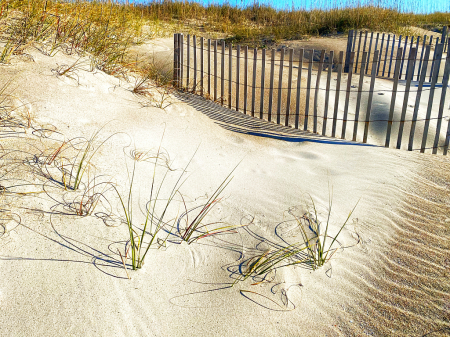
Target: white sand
<point x="62" y="275"/>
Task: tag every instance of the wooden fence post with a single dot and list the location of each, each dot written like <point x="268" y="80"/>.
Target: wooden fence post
<point x="245" y="78"/>
<point x="436" y="59"/>
<point x="230" y="74"/>
<point x="369" y="101"/>
<point x="327" y="92"/>
<point x="202" y="43"/>
<point x="349" y="50"/>
<point x="215" y="71"/>
<point x="418" y="95"/>
<point x="398" y="62"/>
<point x="272" y="74"/>
<point x="255" y="59"/>
<point x="358" y="99"/>
<point x="238" y="75"/>
<point x="316" y="93"/>
<point x="175" y="59"/>
<point x="209" y="68"/>
<point x="338" y="88"/>
<point x="222" y="74"/>
<point x="299" y="87"/>
<point x="442" y="102"/>
<point x="181" y="59"/>
<point x="188" y="61"/>
<point x="347" y="96"/>
<point x="263" y="73"/>
<point x="194" y="45"/>
<point x="280" y="86"/>
<point x="288" y="103"/>
<point x="308" y="87"/>
<point x="409" y="76"/>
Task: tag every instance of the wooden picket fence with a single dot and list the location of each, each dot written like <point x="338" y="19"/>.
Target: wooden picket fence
<point x="388" y="45"/>
<point x="310" y="90"/>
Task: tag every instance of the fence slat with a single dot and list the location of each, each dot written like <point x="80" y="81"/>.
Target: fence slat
<point x="403" y="56"/>
<point x="188" y="55"/>
<point x="238" y="75"/>
<point x="245" y="78"/>
<point x="316" y="93"/>
<point x="370" y="48"/>
<point x="194" y="46"/>
<point x="288" y="100"/>
<point x="349" y="49"/>
<point x="347" y="98"/>
<point x="255" y="59"/>
<point x="432" y="61"/>
<point x="357" y="54"/>
<point x="215" y="71"/>
<point x="308" y="86"/>
<point x="436" y="59"/>
<point x="386" y="54"/>
<point x="299" y="85"/>
<point x="209" y="68"/>
<point x="392" y="56"/>
<point x="409" y="76"/>
<point x="369" y="101"/>
<point x="442" y="102"/>
<point x="181" y="59"/>
<point x="409" y="55"/>
<point x="418" y="95"/>
<point x="280" y="86"/>
<point x="272" y="74"/>
<point x="421" y="56"/>
<point x="365" y="40"/>
<point x="230" y="75"/>
<point x="358" y="99"/>
<point x="381" y="54"/>
<point x="338" y="89"/>
<point x="202" y="42"/>
<point x="222" y="74"/>
<point x="327" y="92"/>
<point x="263" y="73"/>
<point x="175" y="58"/>
<point x="398" y="62"/>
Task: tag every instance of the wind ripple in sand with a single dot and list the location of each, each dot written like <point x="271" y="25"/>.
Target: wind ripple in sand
<point x="408" y="294"/>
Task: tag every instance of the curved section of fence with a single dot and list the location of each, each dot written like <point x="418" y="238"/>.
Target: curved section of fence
<point x="341" y="95"/>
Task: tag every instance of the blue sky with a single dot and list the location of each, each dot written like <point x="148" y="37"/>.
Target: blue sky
<point x="417" y="6"/>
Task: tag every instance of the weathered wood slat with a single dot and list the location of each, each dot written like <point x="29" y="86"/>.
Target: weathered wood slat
<point x="215" y="71"/>
<point x="280" y="86"/>
<point x="181" y="59"/>
<point x="308" y="85"/>
<point x="436" y="59"/>
<point x="202" y="43"/>
<point x="418" y="96"/>
<point x="370" y="49"/>
<point x="238" y="75"/>
<point x="381" y="54"/>
<point x="349" y="49"/>
<point x="245" y="78"/>
<point x="316" y="93"/>
<point x="358" y="99"/>
<point x="209" y="68"/>
<point x="230" y="75"/>
<point x="255" y="60"/>
<point x="398" y="62"/>
<point x="409" y="56"/>
<point x="403" y="56"/>
<point x="175" y="59"/>
<point x="272" y="74"/>
<point x="421" y="57"/>
<point x="357" y="53"/>
<point x="222" y="74"/>
<point x="299" y="86"/>
<point x="392" y="55"/>
<point x="409" y="76"/>
<point x="338" y="89"/>
<point x="386" y="54"/>
<point x="327" y="91"/>
<point x="288" y="99"/>
<point x="369" y="100"/>
<point x="194" y="46"/>
<point x="188" y="56"/>
<point x="441" y="103"/>
<point x="347" y="98"/>
<point x="263" y="73"/>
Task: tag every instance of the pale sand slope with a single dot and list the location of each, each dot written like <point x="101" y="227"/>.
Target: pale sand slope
<point x="62" y="275"/>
